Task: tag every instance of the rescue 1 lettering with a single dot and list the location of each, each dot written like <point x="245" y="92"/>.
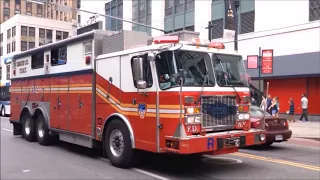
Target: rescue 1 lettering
<point x="210" y="143"/>
<point x="23" y="70"/>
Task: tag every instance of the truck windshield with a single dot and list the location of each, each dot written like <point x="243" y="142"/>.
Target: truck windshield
<point x="191" y="63"/>
<point x="229" y="70"/>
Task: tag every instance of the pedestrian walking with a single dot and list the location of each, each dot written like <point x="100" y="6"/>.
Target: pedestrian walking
<point x="273" y="108"/>
<point x="263" y="104"/>
<point x="269" y="103"/>
<point x="291" y="110"/>
<point x="304" y="106"/>
<point x="277" y="106"/>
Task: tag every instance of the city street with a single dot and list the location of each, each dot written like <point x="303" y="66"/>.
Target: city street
<point x="295" y="159"/>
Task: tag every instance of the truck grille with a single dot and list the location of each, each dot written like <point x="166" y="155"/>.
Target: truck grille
<point x="218" y="112"/>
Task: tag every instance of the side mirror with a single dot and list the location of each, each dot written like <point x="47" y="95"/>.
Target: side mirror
<point x="141" y="84"/>
<point x="138" y="72"/>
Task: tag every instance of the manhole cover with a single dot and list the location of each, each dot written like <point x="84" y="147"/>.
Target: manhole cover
<point x="221" y="160"/>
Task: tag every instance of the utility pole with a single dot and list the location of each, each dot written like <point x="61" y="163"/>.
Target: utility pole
<point x="236" y="17"/>
<point x="210" y="26"/>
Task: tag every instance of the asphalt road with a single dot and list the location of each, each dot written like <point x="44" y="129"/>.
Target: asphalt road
<point x="296" y="159"/>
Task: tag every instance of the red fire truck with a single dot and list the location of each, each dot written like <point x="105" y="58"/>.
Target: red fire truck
<point x="126" y="91"/>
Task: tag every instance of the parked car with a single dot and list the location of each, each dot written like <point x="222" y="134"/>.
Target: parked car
<point x="277" y="128"/>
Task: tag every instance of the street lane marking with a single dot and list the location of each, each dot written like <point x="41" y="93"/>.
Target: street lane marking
<point x="310" y="167"/>
<point x="142" y="171"/>
<point x="9" y="130"/>
<point x="303" y="146"/>
<point x="150" y="174"/>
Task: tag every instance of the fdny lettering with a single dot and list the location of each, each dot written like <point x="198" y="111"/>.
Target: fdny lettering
<point x="192" y="129"/>
<point x="210" y="143"/>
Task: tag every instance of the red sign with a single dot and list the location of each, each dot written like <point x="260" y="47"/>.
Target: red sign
<point x="252" y="62"/>
<point x="267" y="62"/>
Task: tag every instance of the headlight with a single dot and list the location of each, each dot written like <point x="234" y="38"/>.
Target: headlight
<point x="192" y="110"/>
<point x="243" y="116"/>
<point x="262" y="137"/>
<point x="192" y="119"/>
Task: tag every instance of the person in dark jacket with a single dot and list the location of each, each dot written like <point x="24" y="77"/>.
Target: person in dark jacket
<point x="269" y="102"/>
<point x="291" y="110"/>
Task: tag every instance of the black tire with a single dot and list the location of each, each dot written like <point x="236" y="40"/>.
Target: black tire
<point x="28" y="121"/>
<point x="126" y="158"/>
<point x="1" y="109"/>
<point x="44" y="137"/>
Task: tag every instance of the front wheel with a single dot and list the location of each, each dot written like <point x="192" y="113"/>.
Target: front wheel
<point x="117" y="144"/>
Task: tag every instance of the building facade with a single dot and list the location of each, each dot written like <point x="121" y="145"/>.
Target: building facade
<point x="46" y="10"/>
<point x="22" y="32"/>
<point x="290" y="28"/>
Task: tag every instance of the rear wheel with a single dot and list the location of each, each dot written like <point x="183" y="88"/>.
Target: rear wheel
<point x="29" y="127"/>
<point x="43" y="131"/>
<point x="117" y="144"/>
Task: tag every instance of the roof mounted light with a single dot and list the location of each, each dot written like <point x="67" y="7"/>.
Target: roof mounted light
<point x="200" y="42"/>
<point x="217" y="45"/>
<point x="165" y="39"/>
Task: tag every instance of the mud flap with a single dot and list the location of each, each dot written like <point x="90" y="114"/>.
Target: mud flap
<point x="17" y="129"/>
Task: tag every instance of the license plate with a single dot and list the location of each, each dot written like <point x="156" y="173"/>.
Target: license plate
<point x="279" y="137"/>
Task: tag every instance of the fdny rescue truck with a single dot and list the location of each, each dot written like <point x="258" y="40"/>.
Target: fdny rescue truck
<point x="126" y="91"/>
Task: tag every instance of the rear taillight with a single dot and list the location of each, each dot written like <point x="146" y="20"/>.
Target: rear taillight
<point x="285" y="124"/>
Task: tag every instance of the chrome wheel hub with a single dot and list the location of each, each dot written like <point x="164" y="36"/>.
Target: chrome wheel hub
<point x="40" y="130"/>
<point x="116" y="142"/>
<point x="27" y="127"/>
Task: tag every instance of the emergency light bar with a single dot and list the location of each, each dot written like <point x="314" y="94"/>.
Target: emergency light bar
<point x="165" y="39"/>
<point x="206" y="43"/>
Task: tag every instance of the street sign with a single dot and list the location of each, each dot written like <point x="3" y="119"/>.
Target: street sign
<point x="252" y="62"/>
<point x="267" y="61"/>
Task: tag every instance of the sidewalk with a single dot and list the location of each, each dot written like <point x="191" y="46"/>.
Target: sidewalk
<point x="309" y="130"/>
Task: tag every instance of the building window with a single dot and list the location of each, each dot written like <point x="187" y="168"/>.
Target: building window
<point x="7" y="3"/>
<point x="17" y="11"/>
<point x="37" y="60"/>
<point x="1" y="52"/>
<point x="217" y="29"/>
<point x="1" y="37"/>
<point x="8" y="48"/>
<point x="314" y="10"/>
<point x="78" y="4"/>
<point x="114" y="8"/>
<point x="58" y="36"/>
<point x="24" y="46"/>
<point x="17" y="4"/>
<point x="42" y="33"/>
<point x="59" y="56"/>
<point x="32" y="32"/>
<point x="24" y="31"/>
<point x="49" y="34"/>
<point x="28" y="8"/>
<point x="189" y="4"/>
<point x="178" y="4"/>
<point x="14" y="31"/>
<point x="65" y="35"/>
<point x="31" y="45"/>
<point x="6" y="12"/>
<point x="0" y="72"/>
<point x="8" y="72"/>
<point x="169" y="7"/>
<point x="247" y="22"/>
<point x="8" y="33"/>
<point x="13" y="46"/>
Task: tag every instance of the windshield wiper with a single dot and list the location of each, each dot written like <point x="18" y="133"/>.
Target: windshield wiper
<point x="227" y="79"/>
